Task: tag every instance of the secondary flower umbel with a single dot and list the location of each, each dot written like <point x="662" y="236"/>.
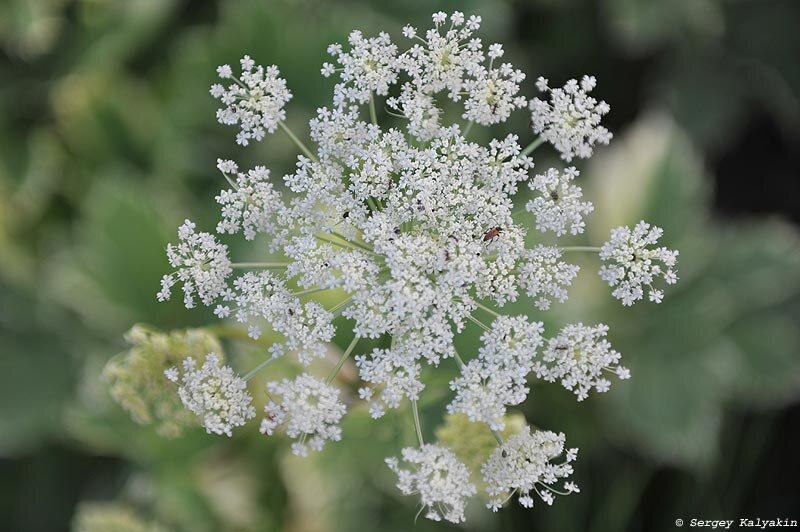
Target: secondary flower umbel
<point x="523" y="465"/>
<point x="571" y="120"/>
<point x="310" y="409"/>
<point x="214" y="392"/>
<point x="423" y="232"/>
<point x="441" y="481"/>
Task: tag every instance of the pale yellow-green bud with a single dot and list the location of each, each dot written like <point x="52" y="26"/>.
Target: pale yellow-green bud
<point x="137" y="380"/>
<point x="473" y="442"/>
<point x="110" y="517"/>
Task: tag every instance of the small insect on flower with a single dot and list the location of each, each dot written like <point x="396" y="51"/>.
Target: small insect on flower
<point x="490" y="235"/>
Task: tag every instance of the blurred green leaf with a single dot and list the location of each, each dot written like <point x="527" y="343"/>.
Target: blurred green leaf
<point x="112" y="271"/>
<point x="36" y="373"/>
<point x="721" y="336"/>
<point x="642" y="26"/>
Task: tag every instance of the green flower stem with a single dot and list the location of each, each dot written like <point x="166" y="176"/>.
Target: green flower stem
<point x="324" y="238"/>
<point x="259" y="265"/>
<point x="372" y="114"/>
<point x="344" y="357"/>
<point x="339" y="306"/>
<point x="420" y="39"/>
<point x="298" y="142"/>
<point x="347" y="244"/>
<point x="417" y="426"/>
<point x="390" y="112"/>
<point x="496" y="435"/>
<point x="459" y="361"/>
<point x="479" y="323"/>
<point x="354" y="242"/>
<point x="252" y="373"/>
<point x="592" y="249"/>
<point x="554" y="490"/>
<point x="487" y="309"/>
<point x="309" y="291"/>
<point x="230" y="181"/>
<point x="467" y="128"/>
<point x="532" y="146"/>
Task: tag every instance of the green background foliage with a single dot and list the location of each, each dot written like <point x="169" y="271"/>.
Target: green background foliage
<point x="108" y="140"/>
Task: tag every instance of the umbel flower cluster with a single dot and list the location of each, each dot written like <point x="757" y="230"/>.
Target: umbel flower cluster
<point x="136" y="377"/>
<point x="420" y="232"/>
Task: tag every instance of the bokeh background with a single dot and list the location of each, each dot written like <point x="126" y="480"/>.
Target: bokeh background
<point x="108" y="140"/>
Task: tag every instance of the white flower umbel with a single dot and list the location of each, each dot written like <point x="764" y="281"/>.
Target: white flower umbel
<point x="254" y="101"/>
<point x="310" y="409"/>
<point x="438" y="477"/>
<point x="443" y="60"/>
<point x="523" y="466"/>
<point x="251" y="205"/>
<point x="545" y="276"/>
<point x="215" y="393"/>
<point x="558" y="206"/>
<point x="421" y="111"/>
<point x="497" y="378"/>
<point x="407" y="230"/>
<point x="396" y="372"/>
<point x="577" y="357"/>
<point x="307" y="327"/>
<point x="201" y="263"/>
<point x="570" y="121"/>
<point x="493" y="94"/>
<point x="370" y="66"/>
<point x="454" y="61"/>
<point x="634" y="264"/>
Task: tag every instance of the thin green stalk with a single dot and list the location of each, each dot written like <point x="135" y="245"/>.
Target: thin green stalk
<point x="417" y="426"/>
<point x="419" y="512"/>
<point x="259" y="265"/>
<point x="242" y="85"/>
<point x="533" y="145"/>
<point x="420" y="39"/>
<point x="344" y="357"/>
<point x="309" y="291"/>
<point x="230" y="181"/>
<point x="459" y="361"/>
<point x="298" y="142"/>
<point x="338" y="306"/>
<point x="354" y="242"/>
<point x="497" y="436"/>
<point x="477" y="322"/>
<point x="390" y="112"/>
<point x="372" y="114"/>
<point x="250" y="374"/>
<point x="467" y="128"/>
<point x="346" y="244"/>
<point x="487" y="309"/>
<point x="556" y="491"/>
